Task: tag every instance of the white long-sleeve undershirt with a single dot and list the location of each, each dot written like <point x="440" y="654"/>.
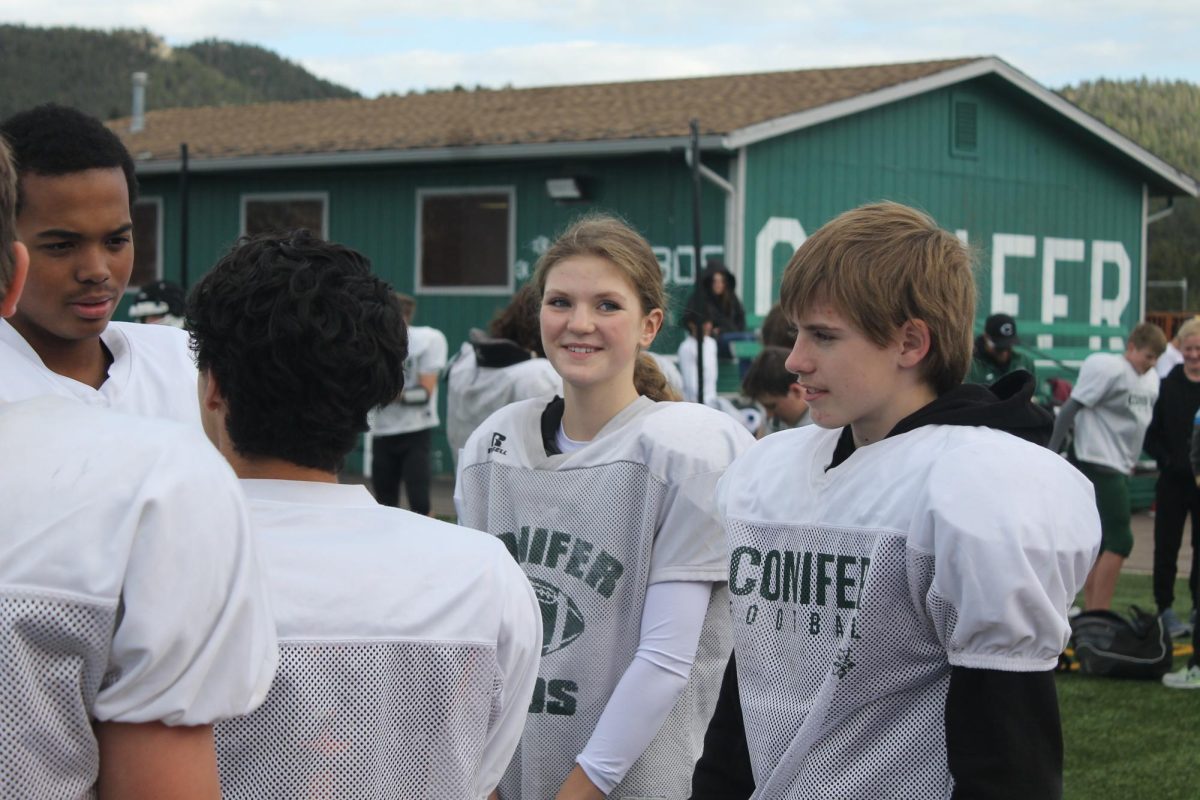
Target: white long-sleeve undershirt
<point x="672" y="620"/>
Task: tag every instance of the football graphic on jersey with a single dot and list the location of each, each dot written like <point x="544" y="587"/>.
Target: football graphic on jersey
<point x="562" y="623"/>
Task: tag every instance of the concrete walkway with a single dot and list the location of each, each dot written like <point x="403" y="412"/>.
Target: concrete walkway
<point x="1141" y="560"/>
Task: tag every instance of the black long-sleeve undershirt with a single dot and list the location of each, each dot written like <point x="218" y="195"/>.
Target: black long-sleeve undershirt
<point x="1003" y="735"/>
<point x="1003" y="739"/>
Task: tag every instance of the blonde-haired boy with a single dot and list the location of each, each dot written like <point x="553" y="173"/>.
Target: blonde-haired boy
<point x="1110" y="409"/>
<point x="901" y="570"/>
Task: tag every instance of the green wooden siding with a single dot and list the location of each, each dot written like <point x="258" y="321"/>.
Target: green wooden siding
<point x="1011" y="173"/>
<point x="1030" y="175"/>
<point x="375" y="209"/>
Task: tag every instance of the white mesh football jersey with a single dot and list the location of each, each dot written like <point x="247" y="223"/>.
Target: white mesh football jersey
<point x="408" y="653"/>
<point x="473" y="392"/>
<point x="152" y="373"/>
<point x="855" y="589"/>
<point x="1118" y="405"/>
<point x="592" y="529"/>
<point x="129" y="590"/>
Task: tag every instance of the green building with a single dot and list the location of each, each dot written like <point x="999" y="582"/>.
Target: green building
<point x="453" y="195"/>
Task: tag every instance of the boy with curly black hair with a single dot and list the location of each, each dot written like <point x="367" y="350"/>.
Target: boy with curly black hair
<point x="408" y="647"/>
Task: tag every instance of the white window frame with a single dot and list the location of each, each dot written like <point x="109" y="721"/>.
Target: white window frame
<point x="420" y="288"/>
<point x="284" y="197"/>
<point x="157" y="201"/>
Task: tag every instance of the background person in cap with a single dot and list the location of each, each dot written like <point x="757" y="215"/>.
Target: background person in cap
<point x="994" y="356"/>
<point x="159" y="303"/>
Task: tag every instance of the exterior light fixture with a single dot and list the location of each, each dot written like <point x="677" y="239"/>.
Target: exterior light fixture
<point x="564" y="189"/>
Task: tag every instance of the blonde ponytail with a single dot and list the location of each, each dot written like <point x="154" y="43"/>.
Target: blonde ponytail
<point x="649" y="380"/>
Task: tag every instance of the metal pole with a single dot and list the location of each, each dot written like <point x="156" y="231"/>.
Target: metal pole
<point x="696" y="269"/>
<point x="183" y="215"/>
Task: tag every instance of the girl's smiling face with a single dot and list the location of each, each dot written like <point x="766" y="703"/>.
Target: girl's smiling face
<point x="593" y="325"/>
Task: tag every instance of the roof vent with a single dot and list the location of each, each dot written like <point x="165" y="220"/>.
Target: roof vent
<point x="964" y="127"/>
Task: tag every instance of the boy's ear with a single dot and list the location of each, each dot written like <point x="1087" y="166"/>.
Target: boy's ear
<point x="795" y="389"/>
<point x="211" y="398"/>
<point x="20" y="271"/>
<point x="915" y="341"/>
<point x="213" y="411"/>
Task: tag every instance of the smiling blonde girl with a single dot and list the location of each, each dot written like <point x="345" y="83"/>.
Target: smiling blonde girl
<point x="605" y="497"/>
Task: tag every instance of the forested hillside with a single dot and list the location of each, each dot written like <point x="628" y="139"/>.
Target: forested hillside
<point x="1163" y="117"/>
<point x="91" y="70"/>
<point x="263" y="72"/>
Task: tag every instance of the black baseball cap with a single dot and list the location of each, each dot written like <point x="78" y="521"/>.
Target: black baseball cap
<point x="1002" y="330"/>
<point x="155" y="299"/>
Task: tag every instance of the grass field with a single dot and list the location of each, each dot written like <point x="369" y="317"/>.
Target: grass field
<point x="1130" y="739"/>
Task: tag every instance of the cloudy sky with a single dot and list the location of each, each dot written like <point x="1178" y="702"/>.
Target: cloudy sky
<point x="379" y="46"/>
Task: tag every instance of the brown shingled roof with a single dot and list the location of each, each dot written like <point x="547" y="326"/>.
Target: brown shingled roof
<point x="585" y="113"/>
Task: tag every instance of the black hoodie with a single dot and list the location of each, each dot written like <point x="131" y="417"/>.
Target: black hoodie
<point x="1006" y="405"/>
<point x="1169" y="437"/>
<point x="724" y="311"/>
<point x="987" y="711"/>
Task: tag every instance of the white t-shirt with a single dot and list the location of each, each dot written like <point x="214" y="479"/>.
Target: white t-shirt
<point x="474" y="392"/>
<point x="1168" y="360"/>
<point x="856" y="589"/>
<point x="670" y="371"/>
<point x="426" y="355"/>
<point x="152" y="373"/>
<point x="593" y="529"/>
<point x="408" y="652"/>
<point x="129" y="588"/>
<point x="691" y="374"/>
<point x="1118" y="405"/>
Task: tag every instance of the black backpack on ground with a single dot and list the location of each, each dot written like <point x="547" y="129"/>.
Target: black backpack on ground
<point x="1113" y="646"/>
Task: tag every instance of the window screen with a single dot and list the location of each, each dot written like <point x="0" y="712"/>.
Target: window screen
<point x="283" y="214"/>
<point x="147" y="253"/>
<point x="465" y="240"/>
